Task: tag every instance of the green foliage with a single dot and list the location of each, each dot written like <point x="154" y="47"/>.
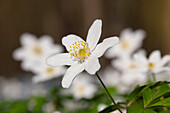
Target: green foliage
<point x="150" y="98"/>
<point x="111" y="108"/>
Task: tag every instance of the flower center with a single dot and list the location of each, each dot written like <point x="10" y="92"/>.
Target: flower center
<point x="80" y="51"/>
<point x="132" y="65"/>
<point x="81" y="89"/>
<point x="37" y="50"/>
<point x="125" y="44"/>
<point x="49" y="70"/>
<point x="151" y="66"/>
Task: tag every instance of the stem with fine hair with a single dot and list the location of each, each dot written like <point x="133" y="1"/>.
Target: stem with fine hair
<point x="153" y="77"/>
<point x="108" y="93"/>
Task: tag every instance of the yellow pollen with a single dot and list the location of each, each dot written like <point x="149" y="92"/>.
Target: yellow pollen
<point x="132" y="65"/>
<point x="37" y="50"/>
<point x="125" y="44"/>
<point x="151" y="66"/>
<point x="80" y="89"/>
<point x="49" y="70"/>
<point x="80" y="50"/>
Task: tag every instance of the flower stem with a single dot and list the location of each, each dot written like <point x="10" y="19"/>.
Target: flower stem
<point x="153" y="77"/>
<point x="108" y="93"/>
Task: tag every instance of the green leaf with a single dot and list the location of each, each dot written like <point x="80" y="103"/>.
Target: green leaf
<point x="135" y="93"/>
<point x="167" y="111"/>
<point x="135" y="109"/>
<point x="147" y="96"/>
<point x="162" y="90"/>
<point x="165" y="102"/>
<point x="149" y="111"/>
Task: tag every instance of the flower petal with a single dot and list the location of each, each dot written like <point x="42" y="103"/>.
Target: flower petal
<point x="92" y="65"/>
<point x="27" y="39"/>
<point x="71" y="73"/>
<point x="60" y="59"/>
<point x="165" y="60"/>
<point x="94" y="34"/>
<point x="102" y="47"/>
<point x="155" y="56"/>
<point x="19" y="54"/>
<point x="140" y="58"/>
<point x="68" y="40"/>
<point x="163" y="69"/>
<point x="46" y="40"/>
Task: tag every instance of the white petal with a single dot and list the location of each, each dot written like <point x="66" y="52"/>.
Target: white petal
<point x="94" y="34"/>
<point x="19" y="54"/>
<point x="140" y="34"/>
<point x="27" y="39"/>
<point x="140" y="58"/>
<point x="60" y="59"/>
<point x="92" y="65"/>
<point x="102" y="47"/>
<point x="155" y="56"/>
<point x="46" y="40"/>
<point x="68" y="40"/>
<point x="71" y="73"/>
<point x="127" y="32"/>
<point x="40" y="78"/>
<point x="165" y="60"/>
<point x="164" y="69"/>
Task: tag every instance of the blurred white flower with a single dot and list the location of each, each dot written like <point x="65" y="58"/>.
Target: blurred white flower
<point x="11" y="85"/>
<point x="83" y="87"/>
<point x="154" y="64"/>
<point x="82" y="55"/>
<point x="101" y="107"/>
<point x="130" y="41"/>
<point x="111" y="77"/>
<point x="49" y="107"/>
<point x="34" y="51"/>
<point x="20" y="89"/>
<point x="129" y="75"/>
<point x="45" y="72"/>
<point x="128" y="64"/>
<point x="163" y="76"/>
<point x="133" y="78"/>
<point x="57" y="112"/>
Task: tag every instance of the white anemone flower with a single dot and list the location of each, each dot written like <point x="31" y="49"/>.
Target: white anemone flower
<point x="83" y="55"/>
<point x="34" y="51"/>
<point x="154" y="64"/>
<point x="83" y="87"/>
<point x="130" y="41"/>
<point x="45" y="72"/>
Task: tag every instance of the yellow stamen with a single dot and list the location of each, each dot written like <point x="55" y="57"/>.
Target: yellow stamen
<point x="151" y="66"/>
<point x="37" y="50"/>
<point x="49" y="70"/>
<point x="81" y="89"/>
<point x="132" y="65"/>
<point x="125" y="44"/>
<point x="80" y="50"/>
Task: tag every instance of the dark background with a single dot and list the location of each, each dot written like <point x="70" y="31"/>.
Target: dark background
<point x="61" y="17"/>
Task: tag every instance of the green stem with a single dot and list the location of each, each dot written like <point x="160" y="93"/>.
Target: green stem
<point x="108" y="93"/>
<point x="153" y="77"/>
